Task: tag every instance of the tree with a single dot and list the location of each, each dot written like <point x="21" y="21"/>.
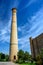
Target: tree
<point x="39" y="61"/>
<point x="26" y="56"/>
<point x="7" y="57"/>
<point x="20" y="54"/>
<point x="2" y="56"/>
<point x="23" y="56"/>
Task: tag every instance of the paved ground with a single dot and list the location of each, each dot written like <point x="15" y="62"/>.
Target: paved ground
<point x="7" y="63"/>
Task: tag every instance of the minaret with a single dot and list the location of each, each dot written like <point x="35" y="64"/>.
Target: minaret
<point x="13" y="40"/>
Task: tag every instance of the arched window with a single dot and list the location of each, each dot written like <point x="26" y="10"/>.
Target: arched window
<point x="14" y="57"/>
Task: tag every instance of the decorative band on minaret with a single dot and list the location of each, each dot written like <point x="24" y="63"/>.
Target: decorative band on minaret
<point x="14" y="37"/>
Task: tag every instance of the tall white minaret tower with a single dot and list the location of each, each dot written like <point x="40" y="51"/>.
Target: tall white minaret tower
<point x="14" y="39"/>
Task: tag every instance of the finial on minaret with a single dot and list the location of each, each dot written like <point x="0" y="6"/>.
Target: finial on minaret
<point x="14" y="9"/>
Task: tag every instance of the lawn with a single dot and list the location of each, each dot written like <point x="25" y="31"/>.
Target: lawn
<point x="27" y="64"/>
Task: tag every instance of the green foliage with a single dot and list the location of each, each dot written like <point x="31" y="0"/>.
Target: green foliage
<point x="39" y="58"/>
<point x="26" y="56"/>
<point x="7" y="57"/>
<point x="39" y="61"/>
<point x="20" y="54"/>
<point x="0" y="56"/>
<point x="3" y="57"/>
<point x="28" y="64"/>
<point x="23" y="56"/>
<point x="20" y="61"/>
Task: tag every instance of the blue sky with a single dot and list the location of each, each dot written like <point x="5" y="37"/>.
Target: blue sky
<point x="29" y="22"/>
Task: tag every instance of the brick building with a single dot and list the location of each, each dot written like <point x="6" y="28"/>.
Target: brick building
<point x="36" y="45"/>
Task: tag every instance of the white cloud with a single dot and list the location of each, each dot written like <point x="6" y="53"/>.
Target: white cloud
<point x="35" y="29"/>
<point x="5" y="32"/>
<point x="19" y="29"/>
<point x="28" y="4"/>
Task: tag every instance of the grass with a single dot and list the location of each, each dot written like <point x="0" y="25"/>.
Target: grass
<point x="27" y="64"/>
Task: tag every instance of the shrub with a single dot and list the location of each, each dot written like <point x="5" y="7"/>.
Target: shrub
<point x="2" y="56"/>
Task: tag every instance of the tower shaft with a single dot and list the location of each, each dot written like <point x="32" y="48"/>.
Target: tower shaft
<point x="13" y="40"/>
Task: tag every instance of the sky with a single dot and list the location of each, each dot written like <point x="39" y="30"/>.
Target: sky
<point x="29" y="22"/>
